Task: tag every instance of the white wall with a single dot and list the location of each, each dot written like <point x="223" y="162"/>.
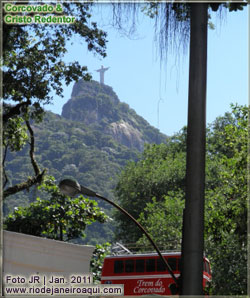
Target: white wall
<point x="29" y="254"/>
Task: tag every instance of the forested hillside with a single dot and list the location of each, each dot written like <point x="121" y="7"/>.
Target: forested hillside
<point x="85" y="143"/>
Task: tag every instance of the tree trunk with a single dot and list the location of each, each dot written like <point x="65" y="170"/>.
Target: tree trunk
<point x="193" y="219"/>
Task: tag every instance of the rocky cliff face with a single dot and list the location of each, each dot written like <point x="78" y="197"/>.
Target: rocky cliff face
<point x="126" y="134"/>
<point x="98" y="106"/>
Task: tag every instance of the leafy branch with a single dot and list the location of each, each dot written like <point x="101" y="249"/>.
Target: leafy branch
<point x="36" y="179"/>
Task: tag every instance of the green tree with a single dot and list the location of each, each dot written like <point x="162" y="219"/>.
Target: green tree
<point x="59" y="217"/>
<point x="161" y="170"/>
<point x="33" y="66"/>
<point x="225" y="197"/>
<point x="226" y="208"/>
<point x="163" y="221"/>
<point x="96" y="263"/>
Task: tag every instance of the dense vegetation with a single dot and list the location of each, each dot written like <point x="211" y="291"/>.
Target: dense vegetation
<point x="84" y="151"/>
<point x="68" y="149"/>
<point x="59" y="217"/>
<point x="153" y="190"/>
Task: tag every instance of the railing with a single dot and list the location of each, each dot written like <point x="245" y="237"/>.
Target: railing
<point x="136" y="248"/>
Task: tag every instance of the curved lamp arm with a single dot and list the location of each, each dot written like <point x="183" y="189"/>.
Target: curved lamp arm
<point x="71" y="188"/>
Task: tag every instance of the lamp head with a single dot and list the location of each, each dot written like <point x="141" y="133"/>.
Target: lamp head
<point x="70" y="187"/>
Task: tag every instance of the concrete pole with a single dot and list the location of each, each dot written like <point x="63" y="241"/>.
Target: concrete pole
<point x="193" y="219"/>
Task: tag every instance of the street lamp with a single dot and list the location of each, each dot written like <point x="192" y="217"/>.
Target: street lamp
<point x="71" y="188"/>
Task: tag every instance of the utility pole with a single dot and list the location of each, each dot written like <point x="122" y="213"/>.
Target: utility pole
<point x="193" y="219"/>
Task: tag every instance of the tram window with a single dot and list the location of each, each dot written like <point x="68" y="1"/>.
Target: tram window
<point x="139" y="265"/>
<point x="129" y="266"/>
<point x="179" y="264"/>
<point x="206" y="267"/>
<point x="118" y="266"/>
<point x="150" y="265"/>
<point x="209" y="269"/>
<point x="160" y="265"/>
<point x="172" y="263"/>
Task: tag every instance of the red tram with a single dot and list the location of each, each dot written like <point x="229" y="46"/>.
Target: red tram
<point x="146" y="274"/>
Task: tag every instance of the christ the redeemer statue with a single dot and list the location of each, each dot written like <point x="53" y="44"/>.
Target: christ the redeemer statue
<point x="101" y="71"/>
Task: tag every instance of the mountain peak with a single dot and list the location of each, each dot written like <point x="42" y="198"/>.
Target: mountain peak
<point x="97" y="105"/>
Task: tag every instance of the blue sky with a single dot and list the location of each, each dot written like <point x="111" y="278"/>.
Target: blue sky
<point x="142" y="80"/>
